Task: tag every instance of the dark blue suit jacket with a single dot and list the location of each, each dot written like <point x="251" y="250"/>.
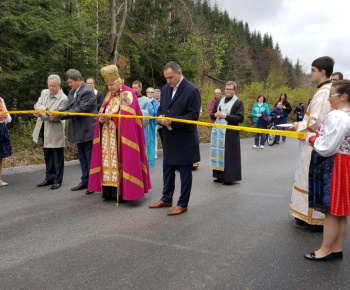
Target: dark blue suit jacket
<point x="181" y="144"/>
<point x="81" y="128"/>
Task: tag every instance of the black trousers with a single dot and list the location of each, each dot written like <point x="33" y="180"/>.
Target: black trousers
<point x="54" y="160"/>
<point x="84" y="155"/>
<point x="169" y="183"/>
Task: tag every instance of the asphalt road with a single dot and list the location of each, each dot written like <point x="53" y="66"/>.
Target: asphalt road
<point x="232" y="237"/>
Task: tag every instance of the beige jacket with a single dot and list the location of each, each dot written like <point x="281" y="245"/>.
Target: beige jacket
<point x="53" y="128"/>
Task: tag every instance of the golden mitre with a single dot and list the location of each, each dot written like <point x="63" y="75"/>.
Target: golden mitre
<point x="110" y="73"/>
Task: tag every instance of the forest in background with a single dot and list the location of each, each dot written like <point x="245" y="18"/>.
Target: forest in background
<point x="41" y="37"/>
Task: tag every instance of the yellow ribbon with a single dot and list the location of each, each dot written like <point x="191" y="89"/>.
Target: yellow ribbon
<point x="293" y="134"/>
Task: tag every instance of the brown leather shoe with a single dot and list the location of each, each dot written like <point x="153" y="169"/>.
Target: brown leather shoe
<point x="177" y="210"/>
<point x="160" y="204"/>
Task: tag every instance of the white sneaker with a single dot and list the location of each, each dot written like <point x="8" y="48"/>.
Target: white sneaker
<point x="255" y="146"/>
<point x="262" y="147"/>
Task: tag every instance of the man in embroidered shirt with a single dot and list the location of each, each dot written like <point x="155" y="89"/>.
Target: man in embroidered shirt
<point x="317" y="110"/>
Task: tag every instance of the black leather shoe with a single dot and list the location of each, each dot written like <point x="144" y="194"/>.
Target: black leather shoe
<point x="312" y="257"/>
<point x="56" y="185"/>
<point x="80" y="186"/>
<point x="300" y="223"/>
<point x="89" y="192"/>
<point x="315" y="228"/>
<point x="219" y="180"/>
<point x="338" y="255"/>
<point x="45" y="183"/>
<point x="227" y="183"/>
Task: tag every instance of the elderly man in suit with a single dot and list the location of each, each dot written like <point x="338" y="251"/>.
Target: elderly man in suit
<point x="180" y="99"/>
<point x="81" y="99"/>
<point x="51" y="130"/>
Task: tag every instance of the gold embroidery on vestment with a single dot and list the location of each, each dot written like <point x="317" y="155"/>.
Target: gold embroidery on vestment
<point x="133" y="179"/>
<point x="301" y="190"/>
<point x="109" y="146"/>
<point x="95" y="170"/>
<point x="128" y="109"/>
<point x="131" y="144"/>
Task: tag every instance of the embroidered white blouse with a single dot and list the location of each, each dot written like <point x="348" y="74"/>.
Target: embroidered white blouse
<point x="8" y="118"/>
<point x="333" y="134"/>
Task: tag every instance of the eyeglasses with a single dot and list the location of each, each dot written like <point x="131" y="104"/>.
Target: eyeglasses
<point x="335" y="95"/>
<point x="229" y="89"/>
<point x="150" y="92"/>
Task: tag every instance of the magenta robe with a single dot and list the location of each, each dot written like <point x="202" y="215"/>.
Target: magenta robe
<point x="133" y="161"/>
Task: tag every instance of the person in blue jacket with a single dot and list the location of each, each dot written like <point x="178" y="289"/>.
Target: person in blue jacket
<point x="277" y="114"/>
<point x="287" y="108"/>
<point x="260" y="110"/>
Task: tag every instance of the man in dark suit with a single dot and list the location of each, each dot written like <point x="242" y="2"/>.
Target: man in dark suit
<point x="180" y="99"/>
<point x="99" y="95"/>
<point x="81" y="99"/>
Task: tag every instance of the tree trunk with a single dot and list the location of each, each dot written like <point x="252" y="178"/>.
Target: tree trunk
<point x="115" y="37"/>
<point x="97" y="34"/>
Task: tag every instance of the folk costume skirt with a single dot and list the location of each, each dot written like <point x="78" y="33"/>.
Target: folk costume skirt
<point x="320" y="173"/>
<point x="5" y="143"/>
<point x="340" y="186"/>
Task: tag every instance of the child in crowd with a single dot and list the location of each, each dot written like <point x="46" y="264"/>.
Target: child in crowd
<point x="277" y="115"/>
<point x="299" y="111"/>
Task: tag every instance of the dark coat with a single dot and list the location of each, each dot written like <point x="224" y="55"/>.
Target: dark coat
<point x="181" y="143"/>
<point x="233" y="170"/>
<point x="81" y="128"/>
<point x="100" y="98"/>
<point x="277" y="112"/>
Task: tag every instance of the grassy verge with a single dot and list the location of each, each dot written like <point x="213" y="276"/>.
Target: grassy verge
<point x="25" y="151"/>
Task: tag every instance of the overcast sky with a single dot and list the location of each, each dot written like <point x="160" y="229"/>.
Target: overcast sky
<point x="304" y="29"/>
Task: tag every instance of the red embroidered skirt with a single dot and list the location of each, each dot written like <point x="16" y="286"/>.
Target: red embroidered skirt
<point x="340" y="186"/>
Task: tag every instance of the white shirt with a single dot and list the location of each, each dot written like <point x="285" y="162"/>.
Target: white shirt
<point x="176" y="87"/>
<point x="76" y="91"/>
<point x="332" y="131"/>
<point x="8" y="118"/>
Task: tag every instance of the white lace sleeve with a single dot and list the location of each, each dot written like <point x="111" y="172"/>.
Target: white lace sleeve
<point x="8" y="118"/>
<point x="335" y="125"/>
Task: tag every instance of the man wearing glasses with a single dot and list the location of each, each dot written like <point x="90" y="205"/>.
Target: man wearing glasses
<point x="319" y="107"/>
<point x="225" y="149"/>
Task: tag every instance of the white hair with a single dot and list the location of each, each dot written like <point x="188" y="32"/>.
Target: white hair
<point x="55" y="78"/>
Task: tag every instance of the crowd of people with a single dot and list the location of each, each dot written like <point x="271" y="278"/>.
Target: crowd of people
<point x="261" y="113"/>
<point x="115" y="153"/>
